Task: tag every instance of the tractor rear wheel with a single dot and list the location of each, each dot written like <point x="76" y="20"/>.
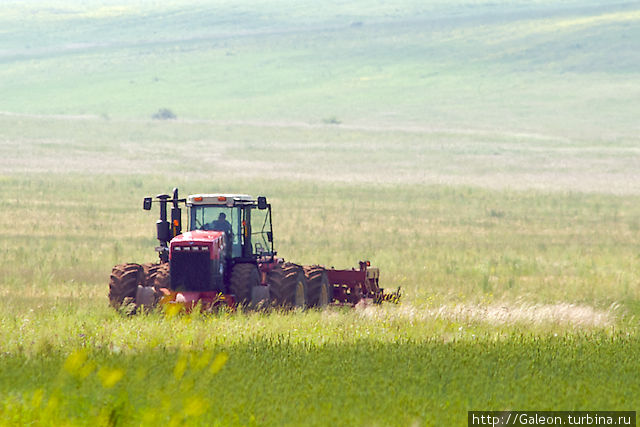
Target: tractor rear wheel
<point x="123" y="284"/>
<point x="288" y="285"/>
<point x="244" y="277"/>
<point x="319" y="290"/>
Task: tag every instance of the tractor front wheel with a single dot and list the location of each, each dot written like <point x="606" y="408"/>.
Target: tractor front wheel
<point x="156" y="276"/>
<point x="123" y="284"/>
<point x="159" y="276"/>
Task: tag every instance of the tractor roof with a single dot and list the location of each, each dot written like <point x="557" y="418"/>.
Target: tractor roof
<point x="219" y="199"/>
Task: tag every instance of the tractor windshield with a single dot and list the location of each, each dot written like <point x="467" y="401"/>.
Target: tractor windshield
<point x="219" y="218"/>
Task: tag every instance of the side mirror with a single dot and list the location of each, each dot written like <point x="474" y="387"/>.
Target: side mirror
<point x="146" y="205"/>
<point x="270" y="236"/>
<point x="262" y="202"/>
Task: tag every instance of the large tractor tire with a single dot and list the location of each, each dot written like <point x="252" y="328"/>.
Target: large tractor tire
<point x="163" y="277"/>
<point x="244" y="277"/>
<point x="124" y="282"/>
<point x="288" y="286"/>
<point x="157" y="275"/>
<point x="150" y="270"/>
<point x="319" y="290"/>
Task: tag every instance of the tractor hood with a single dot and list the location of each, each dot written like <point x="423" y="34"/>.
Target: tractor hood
<point x="199" y="236"/>
<point x="198" y="241"/>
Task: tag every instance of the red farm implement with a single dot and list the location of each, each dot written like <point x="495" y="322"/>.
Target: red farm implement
<point x="352" y="286"/>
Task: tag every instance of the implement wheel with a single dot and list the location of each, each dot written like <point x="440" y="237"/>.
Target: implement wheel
<point x="244" y="277"/>
<point x="319" y="290"/>
<point x="124" y="282"/>
<point x="288" y="286"/>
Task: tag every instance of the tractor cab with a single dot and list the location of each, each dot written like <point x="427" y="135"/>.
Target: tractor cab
<point x="224" y="231"/>
<point x="245" y="221"/>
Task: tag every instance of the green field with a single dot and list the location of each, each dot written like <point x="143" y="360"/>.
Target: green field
<point x="483" y="154"/>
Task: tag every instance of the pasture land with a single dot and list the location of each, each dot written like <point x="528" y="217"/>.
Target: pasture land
<point x="506" y="292"/>
<point x="482" y="154"/>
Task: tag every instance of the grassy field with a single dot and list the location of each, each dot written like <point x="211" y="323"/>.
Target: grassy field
<point x="482" y="154"/>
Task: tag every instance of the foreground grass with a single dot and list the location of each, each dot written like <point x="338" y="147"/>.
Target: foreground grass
<point x="315" y="368"/>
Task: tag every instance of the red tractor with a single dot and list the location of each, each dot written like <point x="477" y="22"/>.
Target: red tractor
<point x="227" y="257"/>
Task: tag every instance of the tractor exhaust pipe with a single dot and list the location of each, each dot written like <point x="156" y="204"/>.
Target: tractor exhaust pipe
<point x="162" y="227"/>
<point x="176" y="215"/>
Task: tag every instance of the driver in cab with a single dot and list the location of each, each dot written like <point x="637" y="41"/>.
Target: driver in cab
<point x="220" y="224"/>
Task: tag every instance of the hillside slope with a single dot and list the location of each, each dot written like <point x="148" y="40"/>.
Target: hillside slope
<point x="569" y="68"/>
